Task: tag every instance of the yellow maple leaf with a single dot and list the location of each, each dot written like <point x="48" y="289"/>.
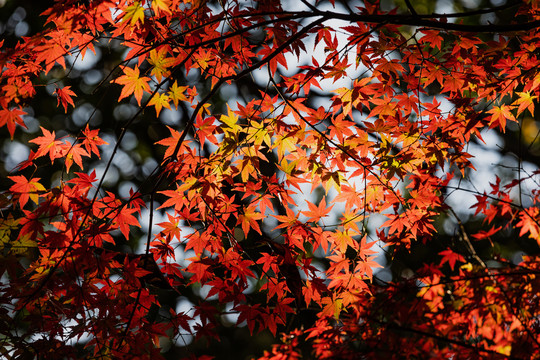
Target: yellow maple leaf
<point x="160" y="101"/>
<point x="176" y="93"/>
<point x="230" y="121"/>
<point x="285" y="144"/>
<point x="6" y="226"/>
<point x="345" y="96"/>
<point x="160" y="63"/>
<point x="134" y="13"/>
<point x="332" y="306"/>
<point x="258" y="133"/>
<point x="22" y="245"/>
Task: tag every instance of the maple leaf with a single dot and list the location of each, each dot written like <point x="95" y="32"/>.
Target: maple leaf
<point x="160" y="63"/>
<point x="6" y="227"/>
<point x="390" y="67"/>
<point x="486" y="234"/>
<point x="350" y="196"/>
<point x="529" y="224"/>
<point x="230" y="122"/>
<point x="160" y="101"/>
<point x="48" y="144"/>
<point x="75" y="154"/>
<point x="199" y="271"/>
<point x="290" y="219"/>
<point x="91" y="141"/>
<point x="332" y="306"/>
<point x="134" y="13"/>
<point x="64" y="97"/>
<point x="133" y="83"/>
<point x="432" y="38"/>
<point x="312" y="291"/>
<point x="203" y="59"/>
<point x="343" y="240"/>
<point x="248" y="220"/>
<point x="171" y="227"/>
<point x="22" y="245"/>
<point x="10" y="118"/>
<point x="525" y="101"/>
<point x="435" y="73"/>
<point x="176" y="93"/>
<point x="161" y="5"/>
<point x="54" y="50"/>
<point x="124" y="219"/>
<point x="26" y="189"/>
<point x="268" y="262"/>
<point x="206" y="130"/>
<point x="170" y="142"/>
<point x="315" y="212"/>
<point x="396" y="164"/>
<point x="197" y="242"/>
<point x="500" y="115"/>
<point x="453" y="84"/>
<point x="451" y="257"/>
<point x="84" y="181"/>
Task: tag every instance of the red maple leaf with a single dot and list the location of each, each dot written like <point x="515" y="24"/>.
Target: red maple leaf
<point x="64" y="97"/>
<point x="26" y="189"/>
<point x="10" y="118"/>
<point x="124" y="218"/>
<point x="451" y="257"/>
<point x="84" y="181"/>
<point x="91" y="141"/>
<point x="48" y="144"/>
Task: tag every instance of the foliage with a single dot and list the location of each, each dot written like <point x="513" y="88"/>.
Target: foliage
<point x="411" y="93"/>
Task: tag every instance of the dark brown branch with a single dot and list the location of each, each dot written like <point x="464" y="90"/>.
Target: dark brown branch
<point x="422" y="21"/>
<point x="411" y="8"/>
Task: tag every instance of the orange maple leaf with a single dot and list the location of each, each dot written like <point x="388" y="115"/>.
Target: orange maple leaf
<point x="315" y="212"/>
<point x="133" y="83"/>
<point x="75" y="155"/>
<point x="249" y="220"/>
<point x="170" y="142"/>
<point x="499" y="116"/>
<point x="26" y="189"/>
<point x="525" y="101"/>
<point x="332" y="306"/>
<point x="161" y="5"/>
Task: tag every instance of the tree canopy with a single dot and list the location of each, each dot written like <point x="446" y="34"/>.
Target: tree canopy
<point x="278" y="179"/>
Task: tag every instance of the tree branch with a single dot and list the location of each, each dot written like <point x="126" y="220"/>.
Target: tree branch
<point x="425" y="21"/>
